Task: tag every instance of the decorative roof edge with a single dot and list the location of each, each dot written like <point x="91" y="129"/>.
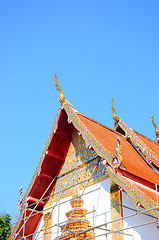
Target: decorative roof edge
<point x="89" y="138"/>
<point x="137" y="194"/>
<point x="150" y="154"/>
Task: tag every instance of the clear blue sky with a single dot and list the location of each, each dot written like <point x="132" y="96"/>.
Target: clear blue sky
<point x="99" y="50"/>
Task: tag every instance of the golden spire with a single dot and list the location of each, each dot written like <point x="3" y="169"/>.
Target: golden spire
<point x="61" y="96"/>
<point x="155" y="126"/>
<point x="116" y="119"/>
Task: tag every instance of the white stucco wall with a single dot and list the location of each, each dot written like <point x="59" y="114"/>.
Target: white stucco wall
<point x="147" y="232"/>
<point x="99" y="199"/>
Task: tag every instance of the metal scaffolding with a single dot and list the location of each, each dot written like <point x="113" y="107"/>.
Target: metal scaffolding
<point x="103" y="228"/>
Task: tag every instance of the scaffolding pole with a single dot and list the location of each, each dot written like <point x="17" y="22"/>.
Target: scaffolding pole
<point x="106" y="225"/>
<point x="93" y="221"/>
<point x="25" y="206"/>
<point x="139" y="225"/>
<point x="58" y="212"/>
<point x="132" y="209"/>
<point x="130" y="235"/>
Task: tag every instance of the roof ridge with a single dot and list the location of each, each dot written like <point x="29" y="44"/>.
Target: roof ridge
<point x="145" y="137"/>
<point x="154" y="157"/>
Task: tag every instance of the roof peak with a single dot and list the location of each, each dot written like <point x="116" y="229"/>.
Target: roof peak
<point x="61" y="96"/>
<point x="155" y="126"/>
<point x="116" y="119"/>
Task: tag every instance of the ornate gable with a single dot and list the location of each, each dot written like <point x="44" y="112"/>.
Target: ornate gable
<point x="82" y="166"/>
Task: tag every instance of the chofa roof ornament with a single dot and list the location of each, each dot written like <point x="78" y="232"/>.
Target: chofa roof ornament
<point x="116" y="119"/>
<point x="156" y="128"/>
<point x="61" y="96"/>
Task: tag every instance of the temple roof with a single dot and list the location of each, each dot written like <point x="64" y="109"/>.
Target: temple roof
<point x="136" y="170"/>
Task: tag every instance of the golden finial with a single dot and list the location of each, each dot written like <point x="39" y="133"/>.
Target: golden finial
<point x="116" y="119"/>
<point x="155" y="126"/>
<point x="61" y="96"/>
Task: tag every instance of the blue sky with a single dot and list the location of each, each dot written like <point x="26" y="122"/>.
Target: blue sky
<point x="99" y="50"/>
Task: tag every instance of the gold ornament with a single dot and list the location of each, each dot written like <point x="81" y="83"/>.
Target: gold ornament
<point x="155" y="126"/>
<point x="116" y="119"/>
<point x="61" y="96"/>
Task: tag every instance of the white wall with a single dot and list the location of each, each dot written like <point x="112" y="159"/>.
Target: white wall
<point x="99" y="199"/>
<point x="147" y="232"/>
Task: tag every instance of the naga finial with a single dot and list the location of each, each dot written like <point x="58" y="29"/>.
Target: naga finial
<point x="61" y="96"/>
<point x="155" y="126"/>
<point x="116" y="119"/>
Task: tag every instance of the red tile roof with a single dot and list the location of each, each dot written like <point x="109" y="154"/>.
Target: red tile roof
<point x="131" y="160"/>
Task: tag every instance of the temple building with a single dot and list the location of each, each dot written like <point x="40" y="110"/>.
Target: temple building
<point x="92" y="182"/>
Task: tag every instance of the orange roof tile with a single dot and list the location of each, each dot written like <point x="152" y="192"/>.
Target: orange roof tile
<point x="131" y="160"/>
